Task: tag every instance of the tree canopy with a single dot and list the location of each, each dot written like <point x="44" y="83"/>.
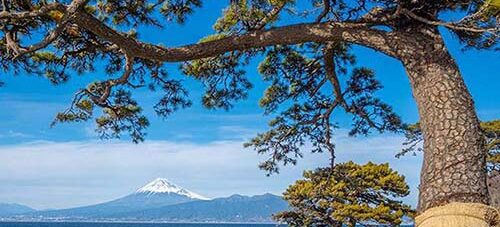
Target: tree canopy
<point x="348" y="194"/>
<point x="310" y="66"/>
<point x="76" y="34"/>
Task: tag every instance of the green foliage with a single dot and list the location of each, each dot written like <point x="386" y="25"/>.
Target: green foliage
<point x="128" y="12"/>
<point x="178" y="10"/>
<point x="482" y="14"/>
<point x="491" y="130"/>
<point x="347" y="194"/>
<point x="212" y="38"/>
<point x="121" y="114"/>
<point x="492" y="9"/>
<point x="248" y="15"/>
<point x="300" y="91"/>
<point x="223" y="77"/>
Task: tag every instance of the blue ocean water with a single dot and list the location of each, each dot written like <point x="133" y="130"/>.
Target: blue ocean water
<point x="92" y="224"/>
<point x="89" y="224"/>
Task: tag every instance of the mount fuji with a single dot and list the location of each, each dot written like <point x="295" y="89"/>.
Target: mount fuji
<point x="162" y="187"/>
<point x="158" y="193"/>
<point x="164" y="201"/>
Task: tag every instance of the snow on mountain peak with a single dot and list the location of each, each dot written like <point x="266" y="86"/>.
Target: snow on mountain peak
<point x="162" y="185"/>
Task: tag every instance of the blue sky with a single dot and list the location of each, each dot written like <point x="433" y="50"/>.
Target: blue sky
<point x="196" y="148"/>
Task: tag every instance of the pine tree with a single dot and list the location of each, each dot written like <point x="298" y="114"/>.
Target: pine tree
<point x="310" y="66"/>
<point x="347" y="194"/>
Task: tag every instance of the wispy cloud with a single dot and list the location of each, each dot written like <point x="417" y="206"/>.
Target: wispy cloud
<point x="47" y="174"/>
<point x="235" y="117"/>
<point x="14" y="134"/>
<point x="237" y="132"/>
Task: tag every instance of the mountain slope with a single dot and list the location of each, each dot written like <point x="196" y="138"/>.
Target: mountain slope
<point x="235" y="208"/>
<point x="161" y="200"/>
<point x="8" y="209"/>
<point x="158" y="193"/>
<point x="162" y="185"/>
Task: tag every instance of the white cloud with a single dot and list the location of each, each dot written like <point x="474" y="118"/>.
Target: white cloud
<point x="48" y="174"/>
<point x="236" y="132"/>
<point x="14" y="134"/>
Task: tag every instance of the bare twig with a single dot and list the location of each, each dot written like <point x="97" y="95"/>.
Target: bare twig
<point x="69" y="15"/>
<point x="450" y="25"/>
<point x="270" y="16"/>
<point x="326" y="9"/>
<point x="109" y="84"/>
<point x="43" y="11"/>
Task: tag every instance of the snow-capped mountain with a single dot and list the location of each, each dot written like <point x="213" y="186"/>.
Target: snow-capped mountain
<point x="162" y="185"/>
<point x="161" y="200"/>
<point x="158" y="193"/>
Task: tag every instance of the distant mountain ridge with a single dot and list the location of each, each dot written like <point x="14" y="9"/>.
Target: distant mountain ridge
<point x="236" y="208"/>
<point x="8" y="209"/>
<point x="161" y="200"/>
<point x="160" y="192"/>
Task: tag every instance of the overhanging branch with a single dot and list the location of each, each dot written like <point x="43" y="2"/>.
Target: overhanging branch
<point x="285" y="35"/>
<point x="352" y="32"/>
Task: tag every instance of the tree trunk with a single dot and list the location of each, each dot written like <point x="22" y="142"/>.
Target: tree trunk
<point x="494" y="189"/>
<point x="454" y="156"/>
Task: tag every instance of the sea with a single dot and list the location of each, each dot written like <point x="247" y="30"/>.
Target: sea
<point x="100" y="224"/>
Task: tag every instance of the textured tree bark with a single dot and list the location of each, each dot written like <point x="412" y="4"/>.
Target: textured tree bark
<point x="494" y="189"/>
<point x="454" y="156"/>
